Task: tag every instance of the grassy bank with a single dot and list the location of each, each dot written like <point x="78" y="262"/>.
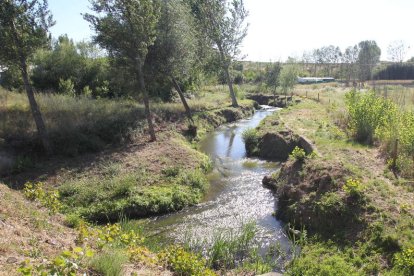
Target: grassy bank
<point x="358" y="216"/>
<point x="103" y="166"/>
<point x="104" y="170"/>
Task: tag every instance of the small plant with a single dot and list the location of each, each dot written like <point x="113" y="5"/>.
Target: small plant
<point x="184" y="263"/>
<point x="298" y="154"/>
<point x="405" y="260"/>
<point x="108" y="235"/>
<point x="171" y="171"/>
<point x="251" y="140"/>
<point x="353" y="187"/>
<point x="67" y="263"/>
<point x="110" y="262"/>
<point x="49" y="199"/>
<point x="142" y="255"/>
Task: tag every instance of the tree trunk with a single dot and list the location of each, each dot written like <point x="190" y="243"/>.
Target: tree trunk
<point x="148" y="114"/>
<point x="226" y="66"/>
<point x="183" y="100"/>
<point x="37" y="115"/>
<point x="230" y="84"/>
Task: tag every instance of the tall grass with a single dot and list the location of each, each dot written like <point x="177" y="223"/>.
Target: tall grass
<point x="373" y="117"/>
<point x="403" y="96"/>
<point x="75" y="125"/>
<point x="237" y="250"/>
<point x="110" y="263"/>
<point x="81" y="124"/>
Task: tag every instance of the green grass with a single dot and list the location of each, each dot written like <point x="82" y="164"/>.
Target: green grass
<point x="131" y="194"/>
<point x="376" y="213"/>
<point x="110" y="262"/>
<point x="79" y="125"/>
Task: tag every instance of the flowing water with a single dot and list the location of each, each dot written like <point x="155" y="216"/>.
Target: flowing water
<point x="236" y="195"/>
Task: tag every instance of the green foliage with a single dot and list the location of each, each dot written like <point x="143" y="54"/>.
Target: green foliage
<point x="251" y="140"/>
<point x="11" y="78"/>
<point x="110" y="262"/>
<point x="66" y="60"/>
<point x="368" y="113"/>
<point x="321" y="259"/>
<point x="49" y="199"/>
<point x="66" y="87"/>
<point x="288" y="77"/>
<point x="273" y="76"/>
<point x="353" y="187"/>
<point x="404" y="261"/>
<point x="298" y="154"/>
<point x="368" y="56"/>
<point x="75" y="125"/>
<point x="222" y="23"/>
<point x="126" y="194"/>
<point x="373" y="117"/>
<point x="69" y="262"/>
<point x="174" y="53"/>
<point x="183" y="262"/>
<point x="230" y="248"/>
<point x="23" y="29"/>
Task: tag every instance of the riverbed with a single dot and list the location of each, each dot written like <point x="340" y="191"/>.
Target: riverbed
<point x="236" y="195"/>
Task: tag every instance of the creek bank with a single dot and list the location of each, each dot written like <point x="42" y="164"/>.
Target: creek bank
<point x="309" y="190"/>
<point x="272" y="140"/>
<point x="310" y="193"/>
<point x="272" y="100"/>
<point x="138" y="179"/>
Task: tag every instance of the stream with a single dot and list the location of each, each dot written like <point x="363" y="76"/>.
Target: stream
<point x="236" y="195"/>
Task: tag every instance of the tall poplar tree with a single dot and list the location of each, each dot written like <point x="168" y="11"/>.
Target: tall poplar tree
<point x="126" y="29"/>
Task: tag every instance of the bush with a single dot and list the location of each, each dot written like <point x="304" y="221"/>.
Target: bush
<point x="404" y="261"/>
<point x="298" y="154"/>
<point x="321" y="259"/>
<point x="353" y="187"/>
<point x="367" y="114"/>
<point x="49" y="199"/>
<point x="184" y="263"/>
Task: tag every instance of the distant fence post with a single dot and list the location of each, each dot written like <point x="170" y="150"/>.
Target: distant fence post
<point x="306" y="93"/>
<point x="318" y="97"/>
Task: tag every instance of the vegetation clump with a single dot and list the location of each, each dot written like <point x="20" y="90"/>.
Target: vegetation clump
<point x="251" y="140"/>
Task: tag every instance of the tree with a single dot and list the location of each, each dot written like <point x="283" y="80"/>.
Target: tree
<point x="272" y="77"/>
<point x="350" y="58"/>
<point x="173" y="55"/>
<point x="224" y="26"/>
<point x="24" y="28"/>
<point x="368" y="56"/>
<point x="327" y="55"/>
<point x="397" y="51"/>
<point x="288" y="78"/>
<point x="126" y="29"/>
<point x="78" y="63"/>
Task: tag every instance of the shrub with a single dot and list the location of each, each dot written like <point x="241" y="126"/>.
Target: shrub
<point x="353" y="187"/>
<point x="183" y="262"/>
<point x="298" y="154"/>
<point x="367" y="113"/>
<point x="321" y="259"/>
<point x="404" y="261"/>
<point x="49" y="199"/>
<point x="69" y="262"/>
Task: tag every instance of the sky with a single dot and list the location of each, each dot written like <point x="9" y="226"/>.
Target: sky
<point x="282" y="28"/>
